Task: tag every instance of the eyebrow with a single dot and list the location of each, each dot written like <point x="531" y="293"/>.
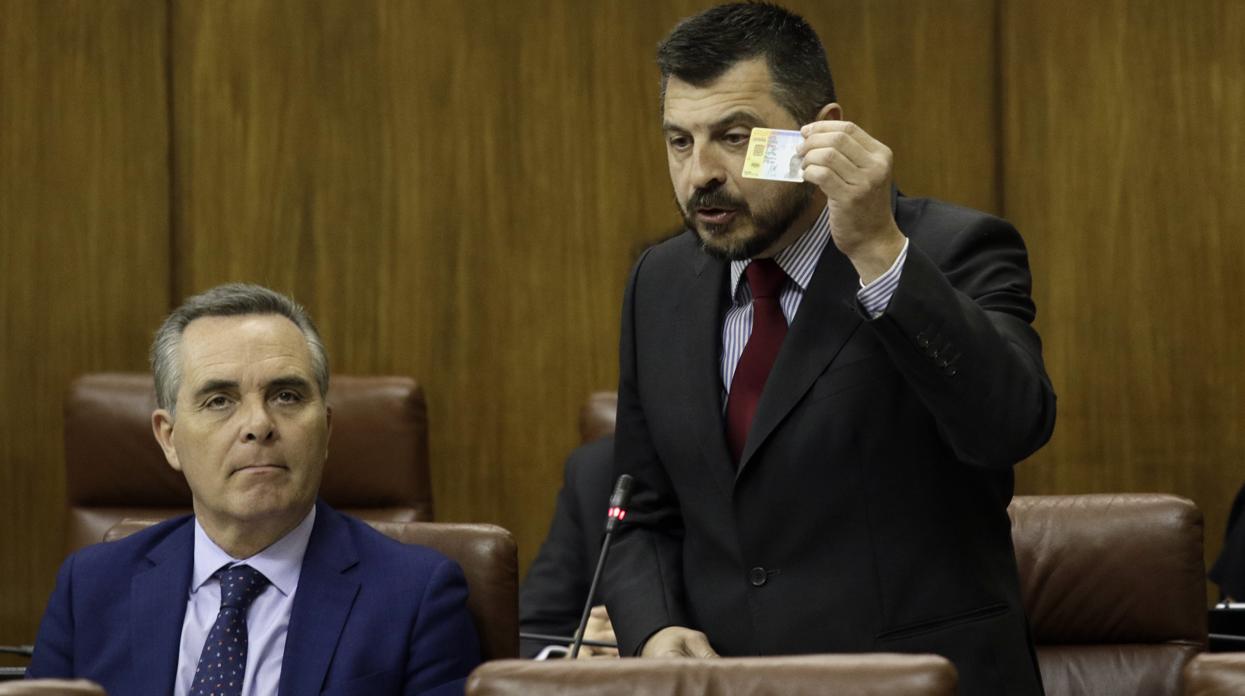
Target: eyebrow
<point x="734" y="118"/>
<point x="215" y="385"/>
<point x="289" y="382"/>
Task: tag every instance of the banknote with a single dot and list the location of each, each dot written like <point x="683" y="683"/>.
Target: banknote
<point x="772" y="155"/>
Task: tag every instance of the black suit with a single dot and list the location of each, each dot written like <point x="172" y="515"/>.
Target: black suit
<point x="869" y="509"/>
<point x="553" y="593"/>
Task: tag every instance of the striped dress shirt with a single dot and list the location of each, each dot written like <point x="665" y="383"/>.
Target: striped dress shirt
<point x="798" y="261"/>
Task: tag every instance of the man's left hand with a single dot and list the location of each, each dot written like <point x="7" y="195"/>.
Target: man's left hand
<point x="854" y="170"/>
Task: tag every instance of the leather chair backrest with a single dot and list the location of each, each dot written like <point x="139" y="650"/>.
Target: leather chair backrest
<point x="841" y="675"/>
<point x="1221" y="674"/>
<point x="1115" y="590"/>
<point x="487" y="554"/>
<point x="597" y="415"/>
<point x="51" y="687"/>
<point x="377" y="467"/>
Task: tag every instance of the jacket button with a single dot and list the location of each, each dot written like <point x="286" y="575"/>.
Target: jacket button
<point x="922" y="340"/>
<point x="757" y="576"/>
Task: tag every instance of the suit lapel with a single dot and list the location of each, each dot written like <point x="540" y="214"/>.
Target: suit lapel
<point x="700" y="320"/>
<point x="157" y="610"/>
<point x="826" y="318"/>
<point x="325" y="594"/>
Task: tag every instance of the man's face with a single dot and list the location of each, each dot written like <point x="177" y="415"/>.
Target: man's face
<point x="251" y="430"/>
<point x="707" y="130"/>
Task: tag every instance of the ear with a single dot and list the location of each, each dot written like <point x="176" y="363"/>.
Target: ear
<point x="162" y="428"/>
<point x="328" y="427"/>
<point x="830" y="112"/>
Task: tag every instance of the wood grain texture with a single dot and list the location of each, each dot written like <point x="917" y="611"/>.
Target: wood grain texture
<point x="83" y="247"/>
<point x="457" y="189"/>
<point x="1125" y="150"/>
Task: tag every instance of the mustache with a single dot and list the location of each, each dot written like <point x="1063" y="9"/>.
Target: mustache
<point x="715" y="197"/>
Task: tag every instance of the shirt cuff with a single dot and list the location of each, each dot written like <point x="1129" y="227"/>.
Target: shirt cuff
<point x="875" y="296"/>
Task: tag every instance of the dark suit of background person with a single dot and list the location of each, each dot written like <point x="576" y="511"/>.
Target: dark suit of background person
<point x="1229" y="569"/>
<point x="869" y="512"/>
<point x="371" y="615"/>
<point x="553" y="593"/>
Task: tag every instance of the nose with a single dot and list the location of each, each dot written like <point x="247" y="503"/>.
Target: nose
<point x="707" y="170"/>
<point x="258" y="425"/>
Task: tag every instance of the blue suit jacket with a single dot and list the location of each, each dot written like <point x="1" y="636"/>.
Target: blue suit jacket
<point x="370" y="616"/>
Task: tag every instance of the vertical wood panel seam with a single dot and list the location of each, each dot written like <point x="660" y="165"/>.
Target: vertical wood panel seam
<point x="1000" y="113"/>
<point x="174" y="217"/>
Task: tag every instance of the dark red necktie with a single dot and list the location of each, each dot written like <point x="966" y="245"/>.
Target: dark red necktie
<point x="769" y="328"/>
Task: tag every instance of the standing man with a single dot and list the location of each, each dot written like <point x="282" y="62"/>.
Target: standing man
<point x="263" y="590"/>
<point x="823" y="387"/>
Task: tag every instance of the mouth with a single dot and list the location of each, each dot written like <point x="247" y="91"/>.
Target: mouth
<point x="716" y="216"/>
<point x="259" y="469"/>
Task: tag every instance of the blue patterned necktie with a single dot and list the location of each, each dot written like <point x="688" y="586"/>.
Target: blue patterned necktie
<point x="222" y="664"/>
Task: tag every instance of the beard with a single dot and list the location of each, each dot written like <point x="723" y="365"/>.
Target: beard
<point x="768" y="224"/>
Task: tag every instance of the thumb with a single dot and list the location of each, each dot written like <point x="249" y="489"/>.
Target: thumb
<point x="698" y="646"/>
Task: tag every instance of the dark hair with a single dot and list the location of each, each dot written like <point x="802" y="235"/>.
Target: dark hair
<point x="701" y="48"/>
<point x="233" y="299"/>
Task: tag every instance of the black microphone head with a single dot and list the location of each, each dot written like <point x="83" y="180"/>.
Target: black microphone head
<point x="622" y="492"/>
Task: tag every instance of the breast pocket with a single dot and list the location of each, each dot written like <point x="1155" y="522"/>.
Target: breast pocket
<point x="872" y="370"/>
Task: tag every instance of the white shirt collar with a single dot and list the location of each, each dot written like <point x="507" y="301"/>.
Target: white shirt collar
<point x="281" y="562"/>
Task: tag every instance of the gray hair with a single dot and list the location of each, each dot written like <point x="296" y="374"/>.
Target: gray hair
<point x="232" y="299"/>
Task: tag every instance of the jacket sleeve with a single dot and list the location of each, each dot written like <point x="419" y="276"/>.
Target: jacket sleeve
<point x="553" y="593"/>
<point x="959" y="328"/>
<point x="643" y="578"/>
<point x="444" y="646"/>
<point x="53" y="658"/>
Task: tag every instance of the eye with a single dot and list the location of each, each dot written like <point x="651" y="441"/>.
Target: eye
<point x="737" y="138"/>
<point x="217" y="402"/>
<point x="679" y="143"/>
<point x="287" y="396"/>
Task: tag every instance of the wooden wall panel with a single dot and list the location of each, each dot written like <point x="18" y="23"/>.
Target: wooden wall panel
<point x="1125" y="152"/>
<point x="457" y="189"/>
<point x="83" y="247"/>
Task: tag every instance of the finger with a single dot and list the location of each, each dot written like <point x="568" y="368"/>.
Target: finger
<point x="857" y="133"/>
<point x="837" y="162"/>
<point x="697" y="645"/>
<point x="825" y="178"/>
<point x="837" y="142"/>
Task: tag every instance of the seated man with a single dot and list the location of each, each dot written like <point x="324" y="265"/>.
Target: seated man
<point x="553" y="593"/>
<point x="264" y="590"/>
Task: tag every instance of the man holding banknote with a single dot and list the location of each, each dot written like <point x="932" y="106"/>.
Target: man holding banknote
<point x="823" y="385"/>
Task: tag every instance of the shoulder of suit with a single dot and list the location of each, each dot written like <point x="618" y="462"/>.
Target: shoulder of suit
<point x="917" y="215"/>
<point x="133" y="546"/>
<point x="379" y="550"/>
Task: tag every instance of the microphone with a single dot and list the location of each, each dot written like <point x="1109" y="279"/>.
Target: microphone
<point x="619" y="500"/>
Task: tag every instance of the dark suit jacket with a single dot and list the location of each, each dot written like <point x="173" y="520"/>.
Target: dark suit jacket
<point x="553" y="593"/>
<point x="370" y="616"/>
<point x="1229" y="569"/>
<point x="869" y="509"/>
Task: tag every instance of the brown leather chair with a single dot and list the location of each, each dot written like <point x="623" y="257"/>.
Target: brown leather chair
<point x="841" y="675"/>
<point x="488" y="557"/>
<point x="51" y="687"/>
<point x="597" y="416"/>
<point x="1221" y="674"/>
<point x="1115" y="590"/>
<point x="377" y="467"/>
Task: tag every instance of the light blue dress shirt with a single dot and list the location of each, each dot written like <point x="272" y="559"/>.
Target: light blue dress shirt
<point x="266" y="621"/>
